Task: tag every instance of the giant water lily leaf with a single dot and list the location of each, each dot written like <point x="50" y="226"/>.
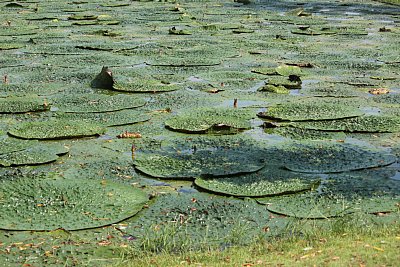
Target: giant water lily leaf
<point x="141" y="85"/>
<point x="201" y="156"/>
<point x="9" y="46"/>
<point x="211" y="119"/>
<point x="304" y="133"/>
<point x="292" y="82"/>
<point x="388" y="99"/>
<point x="116" y="118"/>
<point x="55" y="129"/>
<point x="34" y="203"/>
<point x="137" y="84"/>
<point x="33" y="155"/>
<point x="22" y="89"/>
<point x="331" y="156"/>
<point x="303" y="111"/>
<point x="191" y="217"/>
<point x="370" y="124"/>
<point x="329" y="89"/>
<point x="97" y="102"/>
<point x="339" y="195"/>
<point x="9" y="144"/>
<point x="23" y="104"/>
<point x="271" y="180"/>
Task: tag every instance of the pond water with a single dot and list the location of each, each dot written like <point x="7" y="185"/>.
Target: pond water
<point x="65" y="118"/>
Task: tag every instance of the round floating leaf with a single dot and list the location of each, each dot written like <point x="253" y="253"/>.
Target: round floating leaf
<point x="97" y="102"/>
<point x="22" y="89"/>
<point x="271" y="180"/>
<point x="8" y="144"/>
<point x="145" y="86"/>
<point x="116" y="118"/>
<point x="339" y="195"/>
<point x="211" y="119"/>
<point x="388" y="99"/>
<point x="201" y="156"/>
<point x="370" y="124"/>
<point x="302" y="134"/>
<point x="328" y="89"/>
<point x="35" y="203"/>
<point x="23" y="104"/>
<point x="9" y="46"/>
<point x="291" y="82"/>
<point x="329" y="157"/>
<point x="55" y="129"/>
<point x="310" y="111"/>
<point x="34" y="155"/>
<point x="191" y="217"/>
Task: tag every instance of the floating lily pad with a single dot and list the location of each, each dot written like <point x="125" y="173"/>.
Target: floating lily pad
<point x="327" y="89"/>
<point x="201" y="156"/>
<point x="369" y="124"/>
<point x="55" y="129"/>
<point x="192" y="217"/>
<point x="339" y="195"/>
<point x="304" y="133"/>
<point x="271" y="180"/>
<point x="116" y="118"/>
<point x="288" y="82"/>
<point x="310" y="111"/>
<point x="23" y="104"/>
<point x="211" y="119"/>
<point x="47" y="204"/>
<point x="33" y="155"/>
<point x="22" y="89"/>
<point x="8" y="144"/>
<point x="96" y="102"/>
<point x="388" y="99"/>
<point x="9" y="46"/>
<point x="139" y="84"/>
<point x="145" y="86"/>
<point x="330" y="157"/>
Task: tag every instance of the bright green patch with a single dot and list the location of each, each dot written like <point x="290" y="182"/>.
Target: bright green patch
<point x="274" y="89"/>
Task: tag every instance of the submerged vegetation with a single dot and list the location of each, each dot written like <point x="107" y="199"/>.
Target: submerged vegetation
<point x="174" y="133"/>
